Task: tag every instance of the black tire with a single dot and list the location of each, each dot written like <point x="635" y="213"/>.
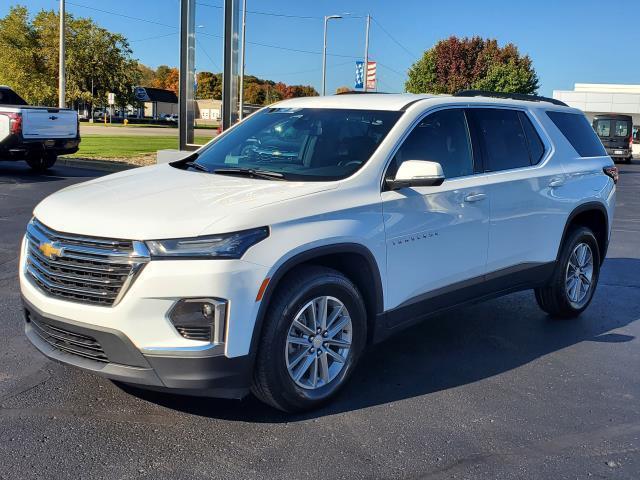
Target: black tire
<point x="42" y="162"/>
<point x="628" y="160"/>
<point x="272" y="382"/>
<point x="554" y="298"/>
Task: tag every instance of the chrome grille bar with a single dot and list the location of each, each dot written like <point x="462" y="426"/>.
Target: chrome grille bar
<point x="82" y="269"/>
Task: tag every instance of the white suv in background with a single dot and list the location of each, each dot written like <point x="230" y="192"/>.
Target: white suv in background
<point x="270" y="259"/>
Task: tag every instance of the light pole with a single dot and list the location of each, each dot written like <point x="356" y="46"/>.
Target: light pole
<point x="324" y="52"/>
<point x="242" y="58"/>
<point x="61" y="71"/>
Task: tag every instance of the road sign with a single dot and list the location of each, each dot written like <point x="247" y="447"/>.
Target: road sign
<point x="112" y="98"/>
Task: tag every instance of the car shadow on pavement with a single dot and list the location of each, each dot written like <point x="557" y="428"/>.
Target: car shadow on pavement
<point x="452" y="349"/>
<point x="19" y="172"/>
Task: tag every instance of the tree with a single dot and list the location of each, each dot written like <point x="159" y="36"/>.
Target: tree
<point x="344" y="89"/>
<point x="209" y="86"/>
<point x="97" y="61"/>
<point x="472" y="63"/>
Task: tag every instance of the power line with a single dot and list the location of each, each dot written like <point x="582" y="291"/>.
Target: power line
<point x="153" y="38"/>
<point x="394" y="39"/>
<point x="271" y="14"/>
<point x="208" y="56"/>
<point x="288" y="49"/>
<point x="400" y="74"/>
<point x="120" y="15"/>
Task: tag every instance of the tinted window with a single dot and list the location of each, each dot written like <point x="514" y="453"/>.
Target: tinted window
<point x="536" y="147"/>
<point x="603" y="128"/>
<point x="622" y="128"/>
<point x="575" y="127"/>
<point x="441" y="137"/>
<point x="301" y="143"/>
<point x="9" y="97"/>
<point x="504" y="140"/>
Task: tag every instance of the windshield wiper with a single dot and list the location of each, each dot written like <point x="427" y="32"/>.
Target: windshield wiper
<point x="250" y="172"/>
<point x="197" y="166"/>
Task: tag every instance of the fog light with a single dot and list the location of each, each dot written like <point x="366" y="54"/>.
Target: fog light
<point x="201" y="319"/>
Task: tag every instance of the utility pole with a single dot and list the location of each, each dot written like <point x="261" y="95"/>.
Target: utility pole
<point x="324" y="53"/>
<point x="61" y="72"/>
<point x="242" y="58"/>
<point x="366" y="52"/>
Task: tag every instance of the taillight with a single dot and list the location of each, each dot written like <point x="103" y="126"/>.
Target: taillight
<point x="15" y="122"/>
<point x="611" y="172"/>
<point x="631" y="142"/>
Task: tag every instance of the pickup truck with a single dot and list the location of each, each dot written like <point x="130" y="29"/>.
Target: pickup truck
<point x="35" y="134"/>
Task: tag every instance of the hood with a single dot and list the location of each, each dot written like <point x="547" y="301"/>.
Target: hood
<point x="165" y="202"/>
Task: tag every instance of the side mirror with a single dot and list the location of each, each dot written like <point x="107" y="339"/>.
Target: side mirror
<point x="417" y="173"/>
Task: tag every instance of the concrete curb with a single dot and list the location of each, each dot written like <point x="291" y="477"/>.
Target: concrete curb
<point x="102" y="165"/>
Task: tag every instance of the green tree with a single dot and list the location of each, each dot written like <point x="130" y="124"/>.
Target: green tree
<point x="97" y="61"/>
<point x="209" y="86"/>
<point x="472" y="63"/>
<point x="22" y="65"/>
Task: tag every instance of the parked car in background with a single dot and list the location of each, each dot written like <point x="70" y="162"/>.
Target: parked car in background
<point x="616" y="133"/>
<point x="171" y="117"/>
<point x="35" y="134"/>
<point x="270" y="258"/>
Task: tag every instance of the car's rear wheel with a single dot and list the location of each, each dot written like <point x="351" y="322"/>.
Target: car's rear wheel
<point x="314" y="334"/>
<point x="42" y="162"/>
<point x="575" y="277"/>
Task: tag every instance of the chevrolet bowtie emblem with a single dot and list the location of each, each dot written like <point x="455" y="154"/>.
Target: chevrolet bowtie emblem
<point x="49" y="250"/>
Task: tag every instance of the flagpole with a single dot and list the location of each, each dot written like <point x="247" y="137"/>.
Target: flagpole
<point x="366" y="52"/>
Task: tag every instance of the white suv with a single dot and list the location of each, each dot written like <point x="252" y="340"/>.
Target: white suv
<point x="270" y="259"/>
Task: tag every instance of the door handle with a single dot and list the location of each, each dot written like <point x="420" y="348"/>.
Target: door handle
<point x="474" y="197"/>
<point x="556" y="182"/>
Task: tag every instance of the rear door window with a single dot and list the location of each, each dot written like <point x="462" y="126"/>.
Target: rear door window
<point x="576" y="129"/>
<point x="536" y="147"/>
<point x="505" y="143"/>
<point x="603" y="128"/>
<point x="622" y="128"/>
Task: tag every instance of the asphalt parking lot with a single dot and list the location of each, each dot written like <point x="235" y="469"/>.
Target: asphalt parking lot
<point x="495" y="390"/>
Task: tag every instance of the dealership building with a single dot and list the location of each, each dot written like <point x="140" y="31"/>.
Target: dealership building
<point x="594" y="98"/>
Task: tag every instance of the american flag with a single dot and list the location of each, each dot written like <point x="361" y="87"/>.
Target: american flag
<point x="371" y="75"/>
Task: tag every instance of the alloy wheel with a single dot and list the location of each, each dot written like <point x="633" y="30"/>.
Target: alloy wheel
<point x="579" y="275"/>
<point x="318" y="342"/>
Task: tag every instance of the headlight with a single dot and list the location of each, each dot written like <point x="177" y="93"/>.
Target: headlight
<point x="226" y="245"/>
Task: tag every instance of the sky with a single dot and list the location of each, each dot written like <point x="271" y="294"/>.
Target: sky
<point x="566" y="39"/>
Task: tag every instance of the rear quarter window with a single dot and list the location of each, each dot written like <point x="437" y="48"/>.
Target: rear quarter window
<point x="576" y="129"/>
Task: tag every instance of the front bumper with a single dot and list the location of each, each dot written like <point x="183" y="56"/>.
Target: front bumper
<point x="109" y="353"/>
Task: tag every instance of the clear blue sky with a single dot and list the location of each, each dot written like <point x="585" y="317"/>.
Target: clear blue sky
<point x="566" y="39"/>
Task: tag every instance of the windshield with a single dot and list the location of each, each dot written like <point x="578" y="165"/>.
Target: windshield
<point x="301" y="144"/>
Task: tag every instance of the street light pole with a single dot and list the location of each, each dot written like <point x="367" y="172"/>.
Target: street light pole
<point x="61" y="70"/>
<point x="242" y="58"/>
<point x="324" y="53"/>
<point x="366" y="52"/>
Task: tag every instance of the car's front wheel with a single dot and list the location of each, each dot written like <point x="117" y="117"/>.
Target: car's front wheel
<point x="575" y="278"/>
<point x="314" y="334"/>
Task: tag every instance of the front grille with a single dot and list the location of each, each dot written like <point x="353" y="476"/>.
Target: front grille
<point x="69" y="342"/>
<point x="82" y="269"/>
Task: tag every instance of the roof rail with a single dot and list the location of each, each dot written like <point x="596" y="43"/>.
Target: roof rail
<point x="358" y="92"/>
<point x="511" y="96"/>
